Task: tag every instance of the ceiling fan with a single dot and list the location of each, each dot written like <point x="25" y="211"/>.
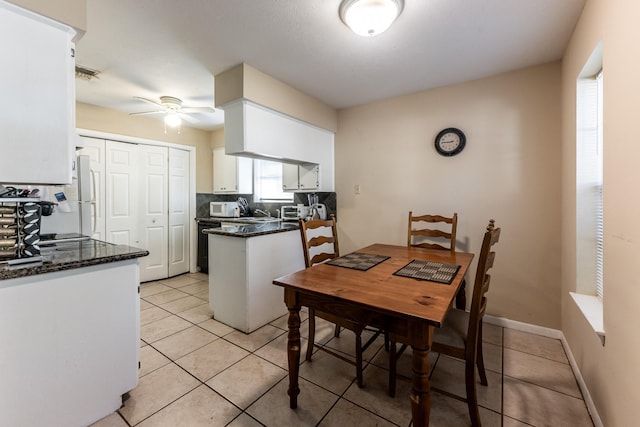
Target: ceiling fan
<point x="173" y="110"/>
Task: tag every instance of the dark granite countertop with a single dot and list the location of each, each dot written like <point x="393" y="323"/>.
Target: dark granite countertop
<point x="70" y="255"/>
<point x="209" y="219"/>
<point x="252" y="230"/>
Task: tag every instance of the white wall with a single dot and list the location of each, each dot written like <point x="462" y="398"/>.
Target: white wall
<point x="611" y="372"/>
<point x="509" y="171"/>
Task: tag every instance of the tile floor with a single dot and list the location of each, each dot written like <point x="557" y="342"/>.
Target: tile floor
<point x="196" y="371"/>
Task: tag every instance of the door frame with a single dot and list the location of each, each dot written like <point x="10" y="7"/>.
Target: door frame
<point x="193" y="227"/>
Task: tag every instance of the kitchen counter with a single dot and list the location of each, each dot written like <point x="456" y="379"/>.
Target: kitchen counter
<point x="252" y="230"/>
<point x="70" y="255"/>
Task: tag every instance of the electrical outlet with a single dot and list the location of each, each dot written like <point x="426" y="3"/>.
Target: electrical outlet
<point x="356" y="189"/>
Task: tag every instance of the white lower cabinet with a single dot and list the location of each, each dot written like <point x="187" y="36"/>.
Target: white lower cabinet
<point x="241" y="270"/>
<point x="70" y="344"/>
<point x="231" y="174"/>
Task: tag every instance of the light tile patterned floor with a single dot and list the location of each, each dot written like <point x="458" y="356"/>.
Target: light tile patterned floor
<point x="196" y="371"/>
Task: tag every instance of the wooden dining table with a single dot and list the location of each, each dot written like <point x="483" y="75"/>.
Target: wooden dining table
<point x="406" y="307"/>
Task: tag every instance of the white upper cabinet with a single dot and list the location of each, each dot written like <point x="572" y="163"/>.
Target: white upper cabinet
<point x="252" y="130"/>
<point x="231" y="174"/>
<point x="38" y="97"/>
<point x="301" y="177"/>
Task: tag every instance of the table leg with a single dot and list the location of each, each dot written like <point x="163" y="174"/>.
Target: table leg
<point x="293" y="355"/>
<point x="420" y="393"/>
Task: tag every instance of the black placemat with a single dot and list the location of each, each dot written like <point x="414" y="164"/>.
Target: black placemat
<point x="358" y="261"/>
<point x="429" y="270"/>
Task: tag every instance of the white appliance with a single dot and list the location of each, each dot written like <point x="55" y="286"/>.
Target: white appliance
<point x="73" y="212"/>
<point x="224" y="209"/>
<point x="293" y="213"/>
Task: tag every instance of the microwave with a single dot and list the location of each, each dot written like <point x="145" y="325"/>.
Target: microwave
<point x="224" y="209"/>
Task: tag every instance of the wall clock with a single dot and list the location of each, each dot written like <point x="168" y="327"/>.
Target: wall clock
<point x="450" y="141"/>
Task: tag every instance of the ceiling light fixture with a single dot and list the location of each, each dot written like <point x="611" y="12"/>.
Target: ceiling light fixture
<point x="172" y="120"/>
<point x="370" y="17"/>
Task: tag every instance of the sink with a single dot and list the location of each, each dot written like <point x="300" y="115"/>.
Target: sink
<point x="257" y="219"/>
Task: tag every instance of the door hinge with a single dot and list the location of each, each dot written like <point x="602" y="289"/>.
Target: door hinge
<point x="73" y="53"/>
<point x="138" y="289"/>
<point x="139" y="364"/>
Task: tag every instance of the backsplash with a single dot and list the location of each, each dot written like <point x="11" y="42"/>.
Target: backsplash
<point x="329" y="199"/>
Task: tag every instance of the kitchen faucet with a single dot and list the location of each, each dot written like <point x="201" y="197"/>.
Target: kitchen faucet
<point x="265" y="213"/>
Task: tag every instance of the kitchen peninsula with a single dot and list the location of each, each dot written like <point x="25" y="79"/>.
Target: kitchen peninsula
<point x="243" y="261"/>
<point x="69" y="328"/>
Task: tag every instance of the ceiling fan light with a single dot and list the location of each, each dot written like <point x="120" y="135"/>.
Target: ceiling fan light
<point x="172" y="120"/>
<point x="370" y="17"/>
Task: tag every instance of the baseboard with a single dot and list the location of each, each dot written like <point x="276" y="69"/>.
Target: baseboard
<point x="556" y="334"/>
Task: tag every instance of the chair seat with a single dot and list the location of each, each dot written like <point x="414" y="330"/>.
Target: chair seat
<point x="454" y="331"/>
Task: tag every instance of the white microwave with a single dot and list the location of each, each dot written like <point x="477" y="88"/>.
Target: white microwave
<point x="224" y="209"/>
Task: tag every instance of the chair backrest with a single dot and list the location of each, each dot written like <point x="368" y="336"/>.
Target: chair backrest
<point x="322" y="245"/>
<point x="438" y="238"/>
<point x="481" y="284"/>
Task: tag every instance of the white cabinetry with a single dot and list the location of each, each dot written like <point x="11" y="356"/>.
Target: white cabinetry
<point x="300" y="177"/>
<point x="38" y="98"/>
<point x="70" y="344"/>
<point x="231" y="174"/>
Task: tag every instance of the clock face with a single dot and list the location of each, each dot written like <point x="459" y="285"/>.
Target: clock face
<point x="450" y="142"/>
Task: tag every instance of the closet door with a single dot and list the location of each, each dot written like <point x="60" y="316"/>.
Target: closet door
<point x="153" y="208"/>
<point x="121" y="207"/>
<point x="178" y="212"/>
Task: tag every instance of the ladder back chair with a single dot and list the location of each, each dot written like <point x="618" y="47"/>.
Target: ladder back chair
<point x="436" y="232"/>
<point x="461" y="335"/>
<point x="317" y="249"/>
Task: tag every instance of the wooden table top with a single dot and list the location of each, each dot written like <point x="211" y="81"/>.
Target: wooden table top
<point x="379" y="289"/>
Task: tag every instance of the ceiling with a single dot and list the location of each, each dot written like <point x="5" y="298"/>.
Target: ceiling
<point x="152" y="48"/>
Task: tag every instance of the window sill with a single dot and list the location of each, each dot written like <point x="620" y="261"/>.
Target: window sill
<point x="591" y="308"/>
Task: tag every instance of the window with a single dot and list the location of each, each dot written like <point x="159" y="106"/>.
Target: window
<point x="589" y="193"/>
<point x="268" y="182"/>
<point x="589" y="185"/>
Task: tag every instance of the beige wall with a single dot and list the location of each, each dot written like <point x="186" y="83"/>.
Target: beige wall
<point x="70" y="12"/>
<point x="612" y="372"/>
<point x="509" y="171"/>
<point x="111" y="121"/>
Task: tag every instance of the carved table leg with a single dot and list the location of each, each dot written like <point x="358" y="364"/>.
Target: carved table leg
<point x="293" y="354"/>
<point x="420" y="393"/>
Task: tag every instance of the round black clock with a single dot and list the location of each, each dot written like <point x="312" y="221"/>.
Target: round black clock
<point x="450" y="142"/>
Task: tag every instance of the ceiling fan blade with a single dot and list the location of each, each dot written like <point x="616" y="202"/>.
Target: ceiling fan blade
<point x="157" y="104"/>
<point x="149" y="112"/>
<point x="198" y="110"/>
<point x="187" y="118"/>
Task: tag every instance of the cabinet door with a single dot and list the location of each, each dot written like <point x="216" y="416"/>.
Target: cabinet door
<point x="290" y="180"/>
<point x="309" y="178"/>
<point x="225" y="172"/>
<point x="38" y="98"/>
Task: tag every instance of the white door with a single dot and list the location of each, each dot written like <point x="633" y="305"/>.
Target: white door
<point x="179" y="223"/>
<point x="95" y="149"/>
<point x="153" y="207"/>
<point x="121" y="208"/>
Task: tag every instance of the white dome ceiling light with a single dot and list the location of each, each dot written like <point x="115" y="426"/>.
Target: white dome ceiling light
<point x="370" y="17"/>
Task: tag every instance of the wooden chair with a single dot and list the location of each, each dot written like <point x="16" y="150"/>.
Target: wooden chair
<point x="318" y="249"/>
<point x="461" y="335"/>
<point x="439" y="233"/>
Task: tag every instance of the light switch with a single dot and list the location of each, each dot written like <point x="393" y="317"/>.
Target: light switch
<point x="356" y="189"/>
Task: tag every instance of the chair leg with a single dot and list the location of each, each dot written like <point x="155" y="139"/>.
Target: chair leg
<point x="336" y="332"/>
<point x="359" y="358"/>
<point x="472" y="398"/>
<point x="386" y="341"/>
<point x="312" y="333"/>
<point x="480" y="357"/>
<point x="461" y="296"/>
<point x="392" y="368"/>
